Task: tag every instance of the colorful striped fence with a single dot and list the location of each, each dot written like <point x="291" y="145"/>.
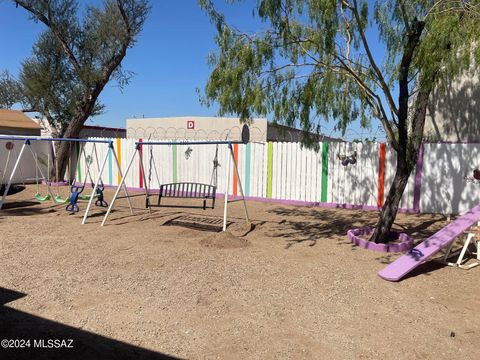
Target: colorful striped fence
<point x="291" y="173"/>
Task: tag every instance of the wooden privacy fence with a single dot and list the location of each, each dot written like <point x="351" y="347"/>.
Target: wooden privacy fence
<point x="287" y="172"/>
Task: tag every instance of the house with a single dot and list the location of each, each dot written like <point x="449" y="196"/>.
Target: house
<point x="86" y="132"/>
<point x="102" y="131"/>
<point x="213" y="128"/>
<point x="13" y="122"/>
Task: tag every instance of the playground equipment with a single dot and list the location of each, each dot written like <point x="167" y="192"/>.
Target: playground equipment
<point x="97" y="186"/>
<point x="472" y="238"/>
<point x="443" y="239"/>
<point x="38" y="195"/>
<point x="58" y="198"/>
<point x="188" y="189"/>
<point x="77" y="190"/>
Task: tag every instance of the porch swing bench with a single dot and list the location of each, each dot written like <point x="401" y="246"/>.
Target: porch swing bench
<point x="186" y="190"/>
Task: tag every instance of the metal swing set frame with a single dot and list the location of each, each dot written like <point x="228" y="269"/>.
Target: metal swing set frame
<point x="27" y="141"/>
<point x="231" y="159"/>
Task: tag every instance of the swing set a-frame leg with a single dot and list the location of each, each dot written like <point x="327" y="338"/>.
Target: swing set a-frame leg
<point x="247" y="218"/>
<point x="122" y="183"/>
<point x="120" y="172"/>
<point x="95" y="187"/>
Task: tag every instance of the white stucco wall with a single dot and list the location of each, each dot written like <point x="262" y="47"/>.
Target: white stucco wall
<point x="26" y="169"/>
<point x="203" y="128"/>
<point x="454" y="113"/>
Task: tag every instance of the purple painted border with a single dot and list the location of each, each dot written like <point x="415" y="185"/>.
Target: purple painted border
<point x="51" y="183"/>
<point x="453" y="142"/>
<point x="405" y="244"/>
<point x="287" y="202"/>
<point x="417" y="190"/>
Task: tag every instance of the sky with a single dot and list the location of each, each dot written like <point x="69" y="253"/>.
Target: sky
<point x="169" y="60"/>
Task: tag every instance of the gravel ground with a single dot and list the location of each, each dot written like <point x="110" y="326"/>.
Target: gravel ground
<point x="291" y="288"/>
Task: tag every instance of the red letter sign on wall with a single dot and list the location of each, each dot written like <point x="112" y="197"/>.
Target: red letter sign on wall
<point x="191" y="125"/>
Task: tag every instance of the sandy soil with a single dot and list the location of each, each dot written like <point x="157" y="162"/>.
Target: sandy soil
<point x="291" y="288"/>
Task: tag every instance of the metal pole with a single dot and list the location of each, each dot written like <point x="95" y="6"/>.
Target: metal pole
<point x="5" y="192"/>
<point x="240" y="185"/>
<point x="227" y="186"/>
<point x="224" y="142"/>
<point x="90" y="201"/>
<point x="122" y="182"/>
<point x="146" y="187"/>
<point x="23" y="138"/>
<point x="120" y="172"/>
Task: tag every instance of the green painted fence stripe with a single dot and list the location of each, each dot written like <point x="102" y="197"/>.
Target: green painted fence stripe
<point x="269" y="169"/>
<point x="324" y="171"/>
<point x="174" y="162"/>
<point x="247" y="171"/>
<point x="79" y="169"/>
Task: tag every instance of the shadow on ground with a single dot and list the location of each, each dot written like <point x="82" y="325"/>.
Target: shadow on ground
<point x="16" y="324"/>
<point x="312" y="224"/>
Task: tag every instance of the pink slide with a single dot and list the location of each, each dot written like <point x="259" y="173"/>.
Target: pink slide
<point x="406" y="263"/>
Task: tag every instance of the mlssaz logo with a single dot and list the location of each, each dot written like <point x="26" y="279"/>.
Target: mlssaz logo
<point x="53" y="343"/>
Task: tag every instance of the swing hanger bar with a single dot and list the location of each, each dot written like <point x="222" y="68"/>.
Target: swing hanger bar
<point x="54" y="139"/>
<point x="188" y="142"/>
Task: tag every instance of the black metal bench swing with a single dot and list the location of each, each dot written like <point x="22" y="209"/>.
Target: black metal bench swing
<point x="187" y="190"/>
<point x="184" y="190"/>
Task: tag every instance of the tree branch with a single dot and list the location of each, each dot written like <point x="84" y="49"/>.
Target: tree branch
<point x="52" y="26"/>
<point x="376" y="69"/>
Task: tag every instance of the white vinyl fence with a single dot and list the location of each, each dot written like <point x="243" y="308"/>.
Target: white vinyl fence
<point x="26" y="172"/>
<point x="286" y="171"/>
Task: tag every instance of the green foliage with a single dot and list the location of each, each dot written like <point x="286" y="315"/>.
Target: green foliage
<point x="76" y="56"/>
<point x="314" y="61"/>
<point x="10" y="91"/>
<point x="49" y="84"/>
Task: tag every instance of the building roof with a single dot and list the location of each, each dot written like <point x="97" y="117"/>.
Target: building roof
<point x="16" y="120"/>
<point x="95" y="127"/>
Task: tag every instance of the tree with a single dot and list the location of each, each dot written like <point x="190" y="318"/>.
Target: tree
<point x="316" y="61"/>
<point x="75" y="58"/>
<point x="10" y="91"/>
<point x="46" y="85"/>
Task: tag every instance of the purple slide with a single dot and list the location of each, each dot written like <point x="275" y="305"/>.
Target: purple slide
<point x="441" y="239"/>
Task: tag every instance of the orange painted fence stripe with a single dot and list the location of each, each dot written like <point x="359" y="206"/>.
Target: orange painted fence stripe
<point x="235" y="180"/>
<point x="381" y="175"/>
<point x="119" y="155"/>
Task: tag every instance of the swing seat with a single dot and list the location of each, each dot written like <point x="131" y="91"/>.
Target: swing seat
<point x="86" y="197"/>
<point x="186" y="190"/>
<point x="59" y="200"/>
<point x="75" y="193"/>
<point x="41" y="198"/>
<point x="73" y="206"/>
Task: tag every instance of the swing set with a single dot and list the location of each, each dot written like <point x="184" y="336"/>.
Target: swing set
<point x="187" y="190"/>
<point x="76" y="189"/>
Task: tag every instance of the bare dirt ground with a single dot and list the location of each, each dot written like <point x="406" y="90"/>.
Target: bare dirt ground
<point x="292" y="288"/>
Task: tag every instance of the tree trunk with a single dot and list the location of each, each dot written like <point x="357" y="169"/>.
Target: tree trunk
<point x="66" y="150"/>
<point x="392" y="202"/>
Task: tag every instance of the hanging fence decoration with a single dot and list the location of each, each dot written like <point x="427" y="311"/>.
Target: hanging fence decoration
<point x="475" y="178"/>
<point x="188" y="153"/>
<point x="348" y="159"/>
